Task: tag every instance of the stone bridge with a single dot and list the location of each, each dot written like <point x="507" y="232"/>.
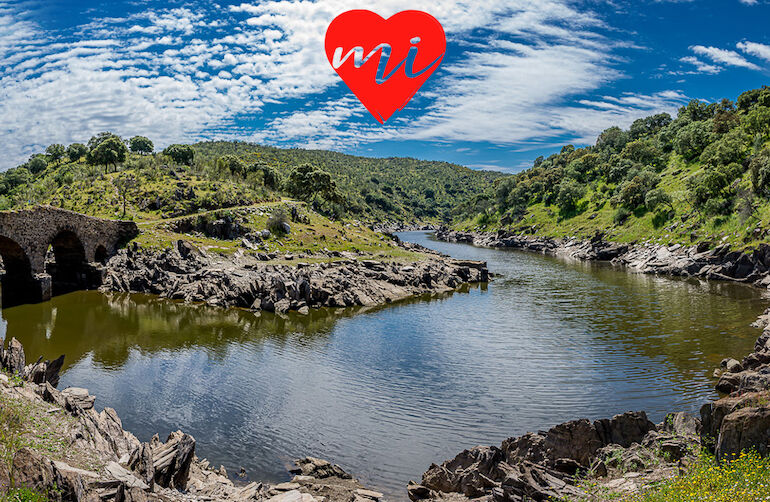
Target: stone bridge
<point x="47" y="251"/>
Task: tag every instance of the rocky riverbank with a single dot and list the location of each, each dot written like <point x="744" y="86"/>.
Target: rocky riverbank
<point x="611" y="458"/>
<point x="56" y="443"/>
<point x="608" y="459"/>
<point x="701" y="260"/>
<point x="282" y="283"/>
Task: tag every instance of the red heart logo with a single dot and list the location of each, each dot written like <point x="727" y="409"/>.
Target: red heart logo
<point x="385" y="61"/>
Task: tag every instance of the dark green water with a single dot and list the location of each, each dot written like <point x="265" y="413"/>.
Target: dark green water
<point x="386" y="392"/>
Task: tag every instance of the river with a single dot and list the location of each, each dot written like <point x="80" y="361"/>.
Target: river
<point x="385" y="392"/>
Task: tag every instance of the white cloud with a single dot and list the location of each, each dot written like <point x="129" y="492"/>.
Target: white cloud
<point x="182" y="74"/>
<point x="759" y="50"/>
<point x="700" y="66"/>
<point x="724" y="56"/>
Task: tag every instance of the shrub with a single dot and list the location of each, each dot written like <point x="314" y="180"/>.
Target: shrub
<point x="277" y="220"/>
<point x="621" y="215"/>
<point x="656" y="198"/>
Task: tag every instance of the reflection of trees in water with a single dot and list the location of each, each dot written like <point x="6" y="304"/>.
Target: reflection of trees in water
<point x="109" y="326"/>
<point x="685" y="320"/>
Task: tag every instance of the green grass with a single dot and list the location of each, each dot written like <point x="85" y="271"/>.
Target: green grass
<point x="317" y="235"/>
<point x="744" y="479"/>
<point x="23" y="495"/>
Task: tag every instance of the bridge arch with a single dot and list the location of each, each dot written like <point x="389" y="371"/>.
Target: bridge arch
<point x="68" y="267"/>
<point x="100" y="255"/>
<point x="59" y="249"/>
<point x="17" y="283"/>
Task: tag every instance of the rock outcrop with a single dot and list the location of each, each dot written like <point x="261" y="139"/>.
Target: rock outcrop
<point x="185" y="273"/>
<point x="697" y="261"/>
<point x="542" y="466"/>
<point x="113" y="465"/>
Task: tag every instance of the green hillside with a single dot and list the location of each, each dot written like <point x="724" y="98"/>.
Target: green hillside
<point x="100" y="177"/>
<point x="703" y="176"/>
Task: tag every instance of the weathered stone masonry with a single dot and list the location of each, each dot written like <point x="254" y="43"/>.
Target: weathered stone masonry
<point x="78" y="242"/>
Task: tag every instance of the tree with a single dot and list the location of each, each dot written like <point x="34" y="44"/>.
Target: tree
<point x="96" y="140"/>
<point x="271" y="177"/>
<point x="306" y="181"/>
<point x="645" y="153"/>
<point x="76" y="151"/>
<point x="757" y="121"/>
<point x="695" y="111"/>
<point x="656" y="198"/>
<point x="570" y="192"/>
<point x="728" y="149"/>
<point x="649" y="125"/>
<point x="141" y="145"/>
<point x="760" y="172"/>
<point x="181" y="154"/>
<point x="55" y="152"/>
<point x="692" y="139"/>
<point x="111" y="150"/>
<point x="125" y="184"/>
<point x="613" y="139"/>
<point x="233" y="164"/>
<point x="37" y="163"/>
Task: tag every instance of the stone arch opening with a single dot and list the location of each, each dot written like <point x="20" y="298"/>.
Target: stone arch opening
<point x="66" y="263"/>
<point x="100" y="256"/>
<point x="17" y="284"/>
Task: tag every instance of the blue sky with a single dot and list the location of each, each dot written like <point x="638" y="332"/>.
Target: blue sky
<point x="520" y="78"/>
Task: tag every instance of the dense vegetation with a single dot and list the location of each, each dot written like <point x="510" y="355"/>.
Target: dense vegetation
<point x="704" y="175"/>
<point x="110" y="176"/>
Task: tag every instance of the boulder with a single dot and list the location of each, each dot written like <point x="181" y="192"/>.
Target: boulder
<point x="471" y="473"/>
<point x="32" y="470"/>
<point x="172" y="460"/>
<point x="744" y="429"/>
<point x="318" y="469"/>
<point x="141" y="462"/>
<point x="12" y="358"/>
<point x="76" y="398"/>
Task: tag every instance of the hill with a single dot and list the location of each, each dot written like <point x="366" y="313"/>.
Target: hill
<point x="100" y="177"/>
<point x="703" y="176"/>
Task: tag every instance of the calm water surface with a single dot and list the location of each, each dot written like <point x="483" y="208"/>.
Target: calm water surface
<point x="386" y="392"/>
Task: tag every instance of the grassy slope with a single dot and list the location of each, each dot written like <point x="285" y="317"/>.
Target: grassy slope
<point x="688" y="227"/>
<point x="98" y="196"/>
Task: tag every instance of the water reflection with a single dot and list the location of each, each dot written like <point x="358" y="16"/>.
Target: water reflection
<point x="388" y="391"/>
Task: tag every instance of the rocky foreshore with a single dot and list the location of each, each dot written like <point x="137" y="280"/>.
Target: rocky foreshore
<point x="584" y="461"/>
<point x="701" y="260"/>
<point x="184" y="272"/>
<point x="71" y="452"/>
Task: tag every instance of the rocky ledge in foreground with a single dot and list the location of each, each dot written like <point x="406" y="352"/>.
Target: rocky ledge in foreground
<point x="75" y="453"/>
<point x="697" y="261"/>
<point x="584" y="461"/>
<point x="186" y="273"/>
